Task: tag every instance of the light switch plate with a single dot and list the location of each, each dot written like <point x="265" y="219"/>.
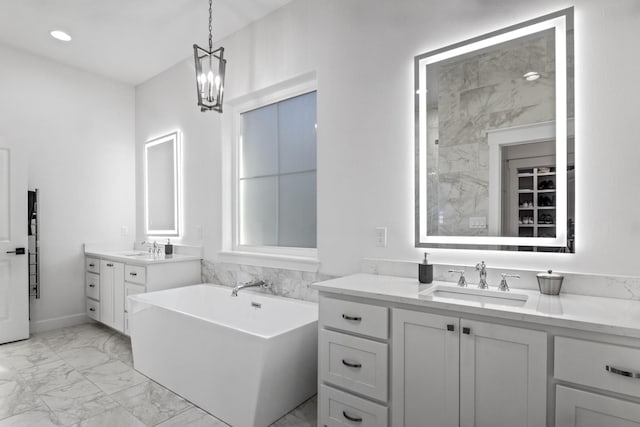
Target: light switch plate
<point x="381" y="237"/>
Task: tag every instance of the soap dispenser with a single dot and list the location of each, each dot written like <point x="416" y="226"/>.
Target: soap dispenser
<point x="425" y="271"/>
<point x="168" y="248"/>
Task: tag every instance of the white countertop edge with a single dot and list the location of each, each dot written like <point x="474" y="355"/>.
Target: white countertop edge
<point x="578" y="310"/>
<point x="115" y="256"/>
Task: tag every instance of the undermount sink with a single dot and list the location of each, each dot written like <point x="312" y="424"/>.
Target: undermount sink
<point x="448" y="293"/>
<point x="133" y="253"/>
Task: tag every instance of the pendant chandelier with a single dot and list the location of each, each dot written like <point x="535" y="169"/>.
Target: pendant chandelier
<point x="210" y="66"/>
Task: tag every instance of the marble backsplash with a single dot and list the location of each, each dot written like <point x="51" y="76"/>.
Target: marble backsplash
<point x="286" y="283"/>
<point x="621" y="287"/>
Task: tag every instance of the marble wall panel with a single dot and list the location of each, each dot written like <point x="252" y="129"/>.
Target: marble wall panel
<point x="286" y="283"/>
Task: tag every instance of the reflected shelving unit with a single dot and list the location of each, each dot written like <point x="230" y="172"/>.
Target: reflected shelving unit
<point x="536" y="203"/>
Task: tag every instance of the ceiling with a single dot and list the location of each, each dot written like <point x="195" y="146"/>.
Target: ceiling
<point x="126" y="40"/>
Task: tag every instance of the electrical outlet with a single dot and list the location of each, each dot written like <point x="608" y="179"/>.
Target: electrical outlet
<point x="381" y="237"/>
<point x="124" y="230"/>
<point x="478" y="222"/>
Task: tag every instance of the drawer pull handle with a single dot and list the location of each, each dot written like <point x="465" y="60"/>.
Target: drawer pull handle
<point x="92" y="309"/>
<point x="350" y="418"/>
<point x="133" y="274"/>
<point x="351" y="364"/>
<point x="92" y="286"/>
<point x="109" y="265"/>
<point x="622" y="372"/>
<point x="92" y="265"/>
<point x="352" y="318"/>
<point x="466" y="331"/>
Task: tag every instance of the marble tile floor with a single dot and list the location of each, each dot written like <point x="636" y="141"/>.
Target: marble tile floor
<point x="83" y="376"/>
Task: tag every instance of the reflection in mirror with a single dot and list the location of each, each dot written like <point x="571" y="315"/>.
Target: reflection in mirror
<point x="494" y="141"/>
<point x="161" y="185"/>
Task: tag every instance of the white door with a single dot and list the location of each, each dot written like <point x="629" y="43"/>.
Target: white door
<point x="576" y="408"/>
<point x="424" y="369"/>
<point x="14" y="265"/>
<point x="503" y="376"/>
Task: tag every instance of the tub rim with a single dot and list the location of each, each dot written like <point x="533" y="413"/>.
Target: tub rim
<point x="140" y="298"/>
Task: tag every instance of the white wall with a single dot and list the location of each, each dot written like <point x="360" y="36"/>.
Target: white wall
<point x="77" y="130"/>
<point x="362" y="51"/>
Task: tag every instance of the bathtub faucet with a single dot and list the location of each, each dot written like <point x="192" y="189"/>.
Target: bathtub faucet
<point x="256" y="283"/>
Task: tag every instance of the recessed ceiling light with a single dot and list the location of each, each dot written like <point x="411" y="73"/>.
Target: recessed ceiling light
<point x="531" y="76"/>
<point x="60" y="35"/>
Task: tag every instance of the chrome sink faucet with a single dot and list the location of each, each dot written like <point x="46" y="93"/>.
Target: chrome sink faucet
<point x="482" y="268"/>
<point x="462" y="282"/>
<point x="256" y="283"/>
<point x="503" y="283"/>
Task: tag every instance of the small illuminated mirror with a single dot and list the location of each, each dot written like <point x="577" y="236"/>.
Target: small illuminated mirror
<point x="161" y="185"/>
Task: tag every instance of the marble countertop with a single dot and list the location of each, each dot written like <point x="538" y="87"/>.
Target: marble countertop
<point x="593" y="314"/>
<point x="136" y="257"/>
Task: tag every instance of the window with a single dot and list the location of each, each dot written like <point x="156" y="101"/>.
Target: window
<point x="277" y="174"/>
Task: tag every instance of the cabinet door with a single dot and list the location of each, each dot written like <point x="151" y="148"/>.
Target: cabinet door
<point x="130" y="289"/>
<point x="425" y="369"/>
<point x="575" y="408"/>
<point x="503" y="376"/>
<point x="112" y="294"/>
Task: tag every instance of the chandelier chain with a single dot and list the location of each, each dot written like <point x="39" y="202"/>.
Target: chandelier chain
<point x="210" y="27"/>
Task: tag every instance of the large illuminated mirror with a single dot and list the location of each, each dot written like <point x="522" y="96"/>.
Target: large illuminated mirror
<point x="494" y="140"/>
<point x="162" y="185"/>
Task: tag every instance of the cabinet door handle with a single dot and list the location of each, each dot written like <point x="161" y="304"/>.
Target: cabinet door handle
<point x="624" y="373"/>
<point x="466" y="330"/>
<point x="351" y="364"/>
<point x="133" y="274"/>
<point x="92" y="285"/>
<point x="451" y="327"/>
<point x="109" y="265"/>
<point x="352" y="318"/>
<point x="92" y="309"/>
<point x="350" y="418"/>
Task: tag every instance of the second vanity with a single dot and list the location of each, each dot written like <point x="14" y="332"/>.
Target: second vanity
<point x="111" y="276"/>
<point x="394" y="354"/>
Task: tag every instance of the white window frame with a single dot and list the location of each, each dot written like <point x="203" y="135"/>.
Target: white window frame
<point x="305" y="259"/>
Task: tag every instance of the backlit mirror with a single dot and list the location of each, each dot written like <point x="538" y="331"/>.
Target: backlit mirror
<point x="494" y="140"/>
<point x="161" y="185"/>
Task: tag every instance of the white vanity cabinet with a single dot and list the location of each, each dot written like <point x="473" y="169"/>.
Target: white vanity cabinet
<point x="352" y="363"/>
<point x="608" y="367"/>
<point x="108" y="283"/>
<point x="449" y="371"/>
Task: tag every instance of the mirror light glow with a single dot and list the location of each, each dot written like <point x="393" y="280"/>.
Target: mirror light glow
<point x="172" y="230"/>
<point x="559" y="24"/>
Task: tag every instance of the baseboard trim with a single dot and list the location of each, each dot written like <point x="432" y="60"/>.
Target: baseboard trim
<point x="58" y="322"/>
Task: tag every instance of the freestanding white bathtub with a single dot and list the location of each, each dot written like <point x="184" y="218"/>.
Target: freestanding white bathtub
<point x="248" y="360"/>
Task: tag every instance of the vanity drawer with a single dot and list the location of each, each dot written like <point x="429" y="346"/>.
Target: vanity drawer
<point x="93" y="309"/>
<point x="354" y="363"/>
<point x="365" y="319"/>
<point x="135" y="274"/>
<point x="92" y="282"/>
<point x="92" y="265"/>
<point x="337" y="408"/>
<point x="605" y="366"/>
